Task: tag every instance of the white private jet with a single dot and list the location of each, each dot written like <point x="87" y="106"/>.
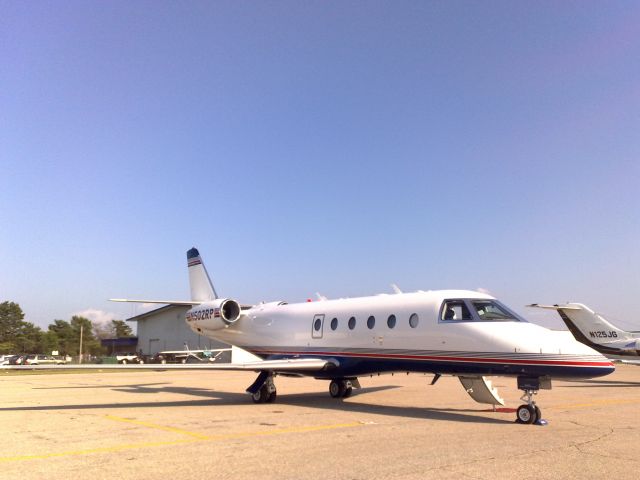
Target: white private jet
<point x="594" y="330"/>
<point x="450" y="332"/>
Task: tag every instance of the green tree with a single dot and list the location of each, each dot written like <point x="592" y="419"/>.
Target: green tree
<point x="49" y="342"/>
<point x="90" y="344"/>
<point x="66" y="337"/>
<point x="11" y="323"/>
<point x="28" y="338"/>
<point x="121" y="329"/>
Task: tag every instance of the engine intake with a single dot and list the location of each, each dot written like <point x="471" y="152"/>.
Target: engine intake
<point x="213" y="315"/>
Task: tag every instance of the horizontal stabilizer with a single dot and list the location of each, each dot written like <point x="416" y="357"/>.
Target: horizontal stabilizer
<point x="554" y="307"/>
<point x="164" y="302"/>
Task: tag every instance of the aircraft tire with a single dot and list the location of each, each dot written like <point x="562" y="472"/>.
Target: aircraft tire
<point x="538" y="414"/>
<point x="526" y="414"/>
<point x="272" y="397"/>
<point x="336" y="389"/>
<point x="347" y="392"/>
<point x="261" y="396"/>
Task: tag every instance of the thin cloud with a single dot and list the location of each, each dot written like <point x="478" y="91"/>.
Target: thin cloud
<point x="96" y="316"/>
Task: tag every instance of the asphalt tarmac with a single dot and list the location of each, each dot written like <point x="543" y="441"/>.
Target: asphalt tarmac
<point x="201" y="425"/>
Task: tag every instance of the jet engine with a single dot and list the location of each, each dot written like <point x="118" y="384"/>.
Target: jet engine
<point x="633" y="347"/>
<point x="214" y="315"/>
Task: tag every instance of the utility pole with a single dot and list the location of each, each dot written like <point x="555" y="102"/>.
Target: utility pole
<point x="80" y="354"/>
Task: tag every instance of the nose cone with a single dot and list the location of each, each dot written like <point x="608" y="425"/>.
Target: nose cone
<point x="593" y="363"/>
<point x="604" y="367"/>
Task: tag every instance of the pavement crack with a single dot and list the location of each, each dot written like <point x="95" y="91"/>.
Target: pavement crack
<point x="581" y="447"/>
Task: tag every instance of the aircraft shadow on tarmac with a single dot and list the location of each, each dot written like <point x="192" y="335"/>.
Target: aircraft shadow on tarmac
<point x="600" y="384"/>
<point x="308" y="400"/>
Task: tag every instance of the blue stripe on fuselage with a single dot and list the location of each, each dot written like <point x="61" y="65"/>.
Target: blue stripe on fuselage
<point x="353" y="367"/>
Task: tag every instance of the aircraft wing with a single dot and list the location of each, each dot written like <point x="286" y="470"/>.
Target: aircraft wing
<point x="630" y="362"/>
<point x="285" y="365"/>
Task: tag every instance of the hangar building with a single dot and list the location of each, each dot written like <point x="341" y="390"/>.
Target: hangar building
<point x="165" y="329"/>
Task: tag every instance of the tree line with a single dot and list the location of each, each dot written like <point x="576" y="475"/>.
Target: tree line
<point x="19" y="336"/>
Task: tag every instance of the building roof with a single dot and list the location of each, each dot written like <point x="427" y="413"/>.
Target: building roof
<point x="153" y="313"/>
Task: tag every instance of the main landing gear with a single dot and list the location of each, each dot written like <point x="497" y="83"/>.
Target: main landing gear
<point x="263" y="390"/>
<point x="341" y="387"/>
<point x="530" y="413"/>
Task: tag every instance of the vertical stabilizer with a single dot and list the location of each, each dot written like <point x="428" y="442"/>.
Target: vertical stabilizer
<point x="201" y="287"/>
<point x="594" y="327"/>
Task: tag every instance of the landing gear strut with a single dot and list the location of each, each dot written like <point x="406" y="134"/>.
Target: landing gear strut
<point x="530" y="413"/>
<point x="263" y="390"/>
<point x="340" y="388"/>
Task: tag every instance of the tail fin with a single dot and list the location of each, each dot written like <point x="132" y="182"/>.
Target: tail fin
<point x="201" y="287"/>
<point x="587" y="326"/>
<point x="593" y="326"/>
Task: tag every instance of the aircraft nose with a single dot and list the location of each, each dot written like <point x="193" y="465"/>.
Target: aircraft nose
<point x="607" y="366"/>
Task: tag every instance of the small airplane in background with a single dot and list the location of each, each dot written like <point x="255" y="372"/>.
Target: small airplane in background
<point x="461" y="333"/>
<point x="595" y="331"/>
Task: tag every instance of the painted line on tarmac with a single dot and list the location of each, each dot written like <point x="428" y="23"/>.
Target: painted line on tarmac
<point x="194" y="438"/>
<point x="158" y="427"/>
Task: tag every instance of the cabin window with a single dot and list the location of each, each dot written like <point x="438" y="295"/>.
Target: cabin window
<point x="391" y="321"/>
<point x="317" y="324"/>
<point x="371" y="322"/>
<point x="352" y="323"/>
<point x="334" y="323"/>
<point x="455" y="310"/>
<point x="414" y="320"/>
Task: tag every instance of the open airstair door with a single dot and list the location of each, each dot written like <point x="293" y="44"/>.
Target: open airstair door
<point x="481" y="390"/>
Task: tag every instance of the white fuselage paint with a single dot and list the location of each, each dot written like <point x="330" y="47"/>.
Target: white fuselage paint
<point x="484" y="347"/>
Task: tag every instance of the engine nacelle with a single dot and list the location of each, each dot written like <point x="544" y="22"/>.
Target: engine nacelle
<point x="213" y="315"/>
<point x="633" y="347"/>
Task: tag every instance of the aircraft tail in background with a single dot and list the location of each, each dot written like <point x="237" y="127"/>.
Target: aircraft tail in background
<point x="594" y="330"/>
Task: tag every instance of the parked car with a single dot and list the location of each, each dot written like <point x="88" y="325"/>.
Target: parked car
<point x="125" y="358"/>
<point x="37" y="359"/>
<point x="4" y="359"/>
<point x="17" y="359"/>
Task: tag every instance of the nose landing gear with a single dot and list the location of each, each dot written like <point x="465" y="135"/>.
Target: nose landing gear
<point x="530" y="413"/>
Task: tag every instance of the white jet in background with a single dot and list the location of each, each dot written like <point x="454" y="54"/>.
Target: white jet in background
<point x="594" y="330"/>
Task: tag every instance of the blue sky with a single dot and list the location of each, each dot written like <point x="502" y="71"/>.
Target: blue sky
<point x="319" y="146"/>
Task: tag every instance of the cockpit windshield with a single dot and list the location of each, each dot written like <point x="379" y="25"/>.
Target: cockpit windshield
<point x="478" y="310"/>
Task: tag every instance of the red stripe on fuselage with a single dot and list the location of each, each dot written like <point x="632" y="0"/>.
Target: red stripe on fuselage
<point x="443" y="358"/>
